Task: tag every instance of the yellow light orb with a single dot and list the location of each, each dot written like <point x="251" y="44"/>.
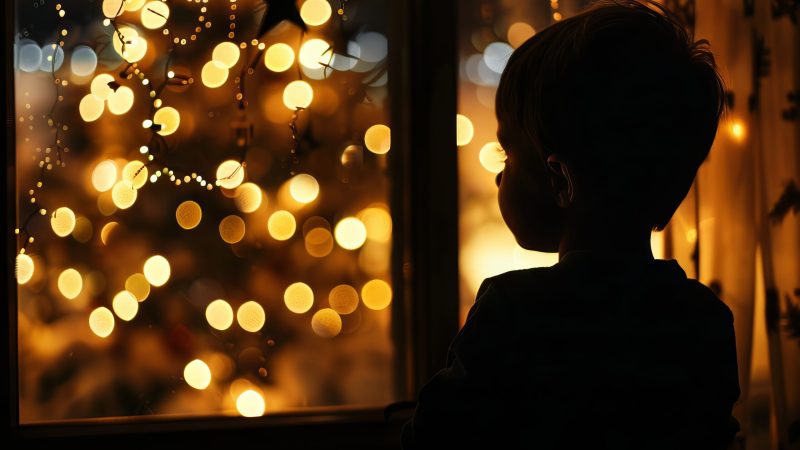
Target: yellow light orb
<point x="231" y="229"/>
<point x="125" y="305"/>
<point x="91" y="107"/>
<point x="83" y="230"/>
<point x="248" y="197"/>
<point x="250" y="404"/>
<point x="136" y="173"/>
<point x="120" y="101"/>
<point x="226" y="53"/>
<point x="155" y="14"/>
<point x="378" y="223"/>
<point x="464" y="130"/>
<point x="298" y="94"/>
<point x="737" y="130"/>
<point x="315" y="12"/>
<point x="123" y="194"/>
<point x="298" y="297"/>
<point x="214" y="74"/>
<point x="251" y="316"/>
<point x="100" y="87"/>
<point x="281" y="225"/>
<point x="326" y="323"/>
<point x="104" y="176"/>
<point x="113" y="8"/>
<point x="105" y="204"/>
<point x="314" y="53"/>
<point x="138" y="285"/>
<point x="70" y="283"/>
<point x="101" y="322"/>
<point x="135" y="46"/>
<point x="304" y="188"/>
<point x="350" y="233"/>
<point x="62" y="221"/>
<point x="279" y="57"/>
<point x="230" y="174"/>
<point x="134" y="5"/>
<point x="219" y="314"/>
<point x="157" y="270"/>
<point x="197" y="374"/>
<point x="105" y="232"/>
<point x="188" y="214"/>
<point x="518" y="33"/>
<point x="343" y="299"/>
<point x="376" y="294"/>
<point x="319" y="242"/>
<point x="492" y="157"/>
<point x="24" y="268"/>
<point x="378" y="139"/>
<point x="169" y="118"/>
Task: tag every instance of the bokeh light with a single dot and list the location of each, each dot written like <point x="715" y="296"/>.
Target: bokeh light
<point x="135" y="46"/>
<point x="319" y="242"/>
<point x="29" y="55"/>
<point x="315" y="12"/>
<point x="219" y="314"/>
<point x="231" y="229"/>
<point x="83" y="230"/>
<point x="298" y="94"/>
<point x="83" y="61"/>
<point x="230" y="174"/>
<point x="99" y="86"/>
<point x="350" y="233"/>
<point x="250" y="404"/>
<point x="188" y="214"/>
<point x="314" y="53"/>
<point x="226" y="53"/>
<point x="62" y="221"/>
<point x="464" y="130"/>
<point x="169" y="118"/>
<point x="248" y="197"/>
<point x="125" y="305"/>
<point x="298" y="297"/>
<point x="52" y="57"/>
<point x="496" y="56"/>
<point x="376" y="294"/>
<point x="120" y="101"/>
<point x="91" y="107"/>
<point x="518" y="33"/>
<point x="135" y="172"/>
<point x="101" y="322"/>
<point x="281" y="225"/>
<point x="304" y="188"/>
<point x="70" y="283"/>
<point x="343" y="299"/>
<point x="107" y="231"/>
<point x="197" y="374"/>
<point x="374" y="46"/>
<point x="492" y="157"/>
<point x="251" y="316"/>
<point x="123" y="194"/>
<point x="138" y="285"/>
<point x="24" y="268"/>
<point x="104" y="176"/>
<point x="378" y="139"/>
<point x="737" y="130"/>
<point x="134" y="5"/>
<point x="113" y="8"/>
<point x="326" y="323"/>
<point x="155" y="14"/>
<point x="279" y="57"/>
<point x="214" y="74"/>
<point x="157" y="270"/>
<point x="378" y="223"/>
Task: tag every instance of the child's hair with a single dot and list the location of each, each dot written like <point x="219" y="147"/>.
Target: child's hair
<point x="626" y="96"/>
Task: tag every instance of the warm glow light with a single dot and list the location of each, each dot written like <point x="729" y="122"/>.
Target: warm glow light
<point x="226" y="53"/>
<point x="319" y="242"/>
<point x="378" y="223"/>
<point x="134" y="5"/>
<point x="136" y="173"/>
<point x="113" y="8"/>
<point x="376" y="294"/>
<point x="326" y="323"/>
<point x="343" y="299"/>
<point x="315" y="12"/>
<point x="214" y="74"/>
<point x="298" y="297"/>
<point x="657" y="244"/>
<point x="125" y="305"/>
<point x="518" y="33"/>
<point x="138" y="285"/>
<point x="464" y="130"/>
<point x="279" y="57"/>
<point x="169" y="118"/>
<point x="250" y="316"/>
<point x="298" y="94"/>
<point x="135" y="46"/>
<point x="304" y="188"/>
<point x="123" y="194"/>
<point x="378" y="139"/>
<point x="314" y="53"/>
<point x="62" y="221"/>
<point x="25" y="268"/>
<point x="197" y="374"/>
<point x="105" y="232"/>
<point x="157" y="270"/>
<point x="230" y="174"/>
<point x="492" y="157"/>
<point x="155" y="14"/>
<point x="737" y="130"/>
<point x="188" y="214"/>
<point x="121" y="100"/>
<point x="281" y="225"/>
<point x="101" y="322"/>
<point x="350" y="233"/>
<point x="83" y="230"/>
<point x="250" y="404"/>
<point x="248" y="197"/>
<point x="70" y="283"/>
<point x="219" y="314"/>
<point x="91" y="107"/>
<point x="104" y="176"/>
<point x="231" y="229"/>
<point x="100" y="87"/>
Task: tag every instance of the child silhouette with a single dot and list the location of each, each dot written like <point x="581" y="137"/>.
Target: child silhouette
<point x="605" y="118"/>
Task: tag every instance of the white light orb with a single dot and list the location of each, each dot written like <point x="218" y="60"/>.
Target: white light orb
<point x="157" y="270"/>
<point x="83" y="61"/>
<point x="154" y="14"/>
<point x="62" y="221"/>
<point x="298" y="94"/>
<point x="197" y="374"/>
<point x="350" y="233"/>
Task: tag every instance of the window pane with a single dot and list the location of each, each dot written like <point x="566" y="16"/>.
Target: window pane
<point x="203" y="209"/>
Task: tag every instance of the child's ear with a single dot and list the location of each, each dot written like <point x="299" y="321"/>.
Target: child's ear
<point x="561" y="180"/>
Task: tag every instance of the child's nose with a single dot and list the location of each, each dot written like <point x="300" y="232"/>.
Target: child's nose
<point x="498" y="178"/>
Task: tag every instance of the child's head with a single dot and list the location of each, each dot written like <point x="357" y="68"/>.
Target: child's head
<point x="605" y="116"/>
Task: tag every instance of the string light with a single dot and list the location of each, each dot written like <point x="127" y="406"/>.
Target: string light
<point x="154" y="14"/>
<point x="230" y="174"/>
<point x="188" y="214"/>
<point x="231" y="229"/>
<point x="281" y="225"/>
<point x="315" y="12"/>
<point x="248" y="197"/>
<point x="350" y="233"/>
<point x="197" y="374"/>
<point x="376" y="294"/>
<point x="492" y="157"/>
<point x="304" y="188"/>
<point x="279" y="57"/>
<point x="464" y="130"/>
<point x="168" y="118"/>
<point x="298" y="297"/>
<point x="123" y="194"/>
<point x="62" y="221"/>
<point x="219" y="314"/>
<point x="250" y="404"/>
<point x="298" y="95"/>
<point x="101" y="322"/>
<point x="378" y="139"/>
<point x="226" y="54"/>
<point x="125" y="305"/>
<point x="24" y="268"/>
<point x="157" y="270"/>
<point x="326" y="323"/>
<point x="138" y="285"/>
<point x="70" y="283"/>
<point x="251" y="316"/>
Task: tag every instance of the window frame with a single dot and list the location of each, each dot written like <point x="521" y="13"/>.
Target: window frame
<point x="424" y="202"/>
